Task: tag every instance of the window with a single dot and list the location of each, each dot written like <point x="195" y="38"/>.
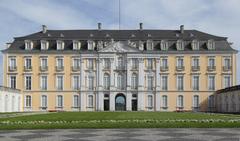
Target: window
<point x="90" y="64"/>
<point x="195" y="83"/>
<point x="211" y="101"/>
<point x="43" y="83"/>
<point x="180" y="45"/>
<point x="180" y="82"/>
<point x="164" y="63"/>
<point x="60" y="45"/>
<point x="28" y="45"/>
<point x="59" y="82"/>
<point x="211" y="62"/>
<point x="149" y="45"/>
<point x="90" y="45"/>
<point x="76" y="63"/>
<point x="44" y="45"/>
<point x="28" y="101"/>
<point x="76" y="101"/>
<point x="164" y="83"/>
<point x="227" y="63"/>
<point x="12" y="63"/>
<point x="106" y="82"/>
<point x="164" y="101"/>
<point x="134" y="63"/>
<point x="59" y="101"/>
<point x="180" y="62"/>
<point x="120" y="62"/>
<point x="120" y="81"/>
<point x="59" y="62"/>
<point x="107" y="64"/>
<point x="150" y="63"/>
<point x="150" y="82"/>
<point x="28" y="63"/>
<point x="195" y="62"/>
<point x="43" y="101"/>
<point x="195" y="101"/>
<point x="180" y="101"/>
<point x="76" y="82"/>
<point x="90" y="82"/>
<point x="150" y="101"/>
<point x="164" y="45"/>
<point x="134" y="82"/>
<point x="211" y="82"/>
<point x="44" y="62"/>
<point x="28" y="82"/>
<point x="227" y="81"/>
<point x="90" y="101"/>
<point x="195" y="45"/>
<point x="12" y="82"/>
<point x="211" y="45"/>
<point x="76" y="45"/>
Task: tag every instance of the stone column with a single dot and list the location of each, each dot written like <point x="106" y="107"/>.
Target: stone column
<point x="112" y="102"/>
<point x="129" y="101"/>
<point x="157" y="101"/>
<point x="83" y="101"/>
<point x="100" y="72"/>
<point x="140" y="97"/>
<point x="100" y="100"/>
<point x="82" y="75"/>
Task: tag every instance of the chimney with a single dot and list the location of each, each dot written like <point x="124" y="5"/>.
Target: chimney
<point x="44" y="28"/>
<point x="140" y="26"/>
<point x="182" y="29"/>
<point x="99" y="26"/>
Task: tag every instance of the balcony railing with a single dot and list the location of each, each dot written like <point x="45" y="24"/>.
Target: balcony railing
<point x="180" y="68"/>
<point x="12" y="68"/>
<point x="227" y="68"/>
<point x="59" y="68"/>
<point x="27" y="68"/>
<point x="195" y="68"/>
<point x="211" y="68"/>
<point x="164" y="68"/>
<point x="43" y="68"/>
<point x="75" y="68"/>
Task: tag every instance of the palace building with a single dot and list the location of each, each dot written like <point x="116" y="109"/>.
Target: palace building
<point x="112" y="70"/>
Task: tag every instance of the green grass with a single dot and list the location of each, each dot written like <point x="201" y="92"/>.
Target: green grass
<point x="120" y="120"/>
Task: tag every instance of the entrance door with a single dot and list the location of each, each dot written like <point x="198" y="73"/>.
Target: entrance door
<point x="120" y="102"/>
<point x="134" y="105"/>
<point x="106" y="104"/>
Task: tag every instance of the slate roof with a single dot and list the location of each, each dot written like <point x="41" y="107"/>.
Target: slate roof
<point x="229" y="89"/>
<point x="134" y="35"/>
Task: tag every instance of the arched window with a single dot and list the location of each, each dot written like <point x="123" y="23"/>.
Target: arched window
<point x="134" y="82"/>
<point x="180" y="101"/>
<point x="164" y="101"/>
<point x="106" y="82"/>
<point x="28" y="101"/>
<point x="120" y="81"/>
<point x="195" y="101"/>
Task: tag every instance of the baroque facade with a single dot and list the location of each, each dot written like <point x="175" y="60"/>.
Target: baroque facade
<point x="108" y="70"/>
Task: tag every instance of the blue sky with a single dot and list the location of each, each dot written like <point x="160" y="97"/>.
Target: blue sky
<point x="22" y="17"/>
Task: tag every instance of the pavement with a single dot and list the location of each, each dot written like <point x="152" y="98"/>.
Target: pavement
<point x="160" y="134"/>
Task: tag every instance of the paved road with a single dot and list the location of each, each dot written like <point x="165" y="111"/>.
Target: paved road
<point x="123" y="135"/>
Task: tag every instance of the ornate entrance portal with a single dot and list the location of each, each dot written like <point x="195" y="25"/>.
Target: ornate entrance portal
<point x="120" y="102"/>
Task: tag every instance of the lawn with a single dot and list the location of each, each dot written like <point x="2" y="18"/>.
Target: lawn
<point x="120" y="120"/>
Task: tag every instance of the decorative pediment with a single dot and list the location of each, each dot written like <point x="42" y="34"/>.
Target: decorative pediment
<point x="119" y="47"/>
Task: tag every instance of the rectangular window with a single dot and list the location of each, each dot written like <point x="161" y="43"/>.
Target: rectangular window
<point x="28" y="82"/>
<point x="44" y="62"/>
<point x="12" y="63"/>
<point x="43" y="101"/>
<point x="164" y="62"/>
<point x="180" y="82"/>
<point x="150" y="82"/>
<point x="164" y="101"/>
<point x="90" y="82"/>
<point x="90" y="101"/>
<point x="195" y="101"/>
<point x="107" y="63"/>
<point x="44" y="45"/>
<point x="134" y="63"/>
<point x="44" y="83"/>
<point x="90" y="64"/>
<point x="59" y="62"/>
<point x="195" y="83"/>
<point x="12" y="82"/>
<point x="28" y="63"/>
<point x="60" y="45"/>
<point x="180" y="101"/>
<point x="76" y="63"/>
<point x="195" y="62"/>
<point x="164" y="83"/>
<point x="211" y="62"/>
<point x="227" y="63"/>
<point x="134" y="81"/>
<point x="76" y="82"/>
<point x="59" y="101"/>
<point x="76" y="101"/>
<point x="28" y="101"/>
<point x="227" y="81"/>
<point x="180" y="62"/>
<point x="120" y="80"/>
<point x="59" y="82"/>
<point x="150" y="63"/>
<point x="76" y="45"/>
<point x="150" y="101"/>
<point x="211" y="82"/>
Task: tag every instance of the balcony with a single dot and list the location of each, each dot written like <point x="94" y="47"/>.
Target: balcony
<point x="59" y="68"/>
<point x="195" y="68"/>
<point x="149" y="68"/>
<point x="180" y="68"/>
<point x="164" y="68"/>
<point x="227" y="68"/>
<point x="75" y="68"/>
<point x="43" y="68"/>
<point x="12" y="68"/>
<point x="120" y="68"/>
<point x="27" y="68"/>
<point x="211" y="68"/>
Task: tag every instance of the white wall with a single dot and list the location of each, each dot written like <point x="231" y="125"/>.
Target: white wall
<point x="10" y="101"/>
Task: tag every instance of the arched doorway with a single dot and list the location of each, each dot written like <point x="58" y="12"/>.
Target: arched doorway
<point x="120" y="102"/>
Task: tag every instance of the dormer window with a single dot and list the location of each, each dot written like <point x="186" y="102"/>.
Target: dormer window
<point x="44" y="45"/>
<point x="195" y="45"/>
<point x="164" y="45"/>
<point x="60" y="45"/>
<point x="211" y="45"/>
<point x="149" y="45"/>
<point x="141" y="45"/>
<point x="91" y="45"/>
<point x="28" y="45"/>
<point x="76" y="45"/>
<point x="180" y="45"/>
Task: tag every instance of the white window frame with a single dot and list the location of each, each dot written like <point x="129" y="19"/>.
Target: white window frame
<point x="44" y="106"/>
<point x="150" y="101"/>
<point x="60" y="45"/>
<point x="41" y="82"/>
<point x="195" y="88"/>
<point x="76" y="45"/>
<point x="90" y="103"/>
<point x="44" y="45"/>
<point x="10" y="81"/>
<point x="76" y="86"/>
<point x="164" y="103"/>
<point x="27" y="104"/>
<point x="196" y="105"/>
<point x="28" y="45"/>
<point x="178" y="85"/>
<point x="57" y="102"/>
<point x="74" y="105"/>
<point x="25" y="82"/>
<point x="180" y="104"/>
<point x="224" y="81"/>
<point x="214" y="86"/>
<point x="162" y="83"/>
<point x="58" y="84"/>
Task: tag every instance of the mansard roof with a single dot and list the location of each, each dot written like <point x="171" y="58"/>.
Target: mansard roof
<point x="171" y="36"/>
